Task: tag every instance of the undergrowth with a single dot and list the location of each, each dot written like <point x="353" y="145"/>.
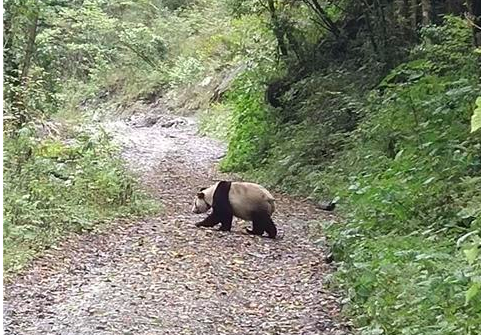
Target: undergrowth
<point x="89" y="58"/>
<point x="53" y="186"/>
<point x="407" y="170"/>
<point x="216" y="122"/>
<point x="408" y="249"/>
<point x="140" y="51"/>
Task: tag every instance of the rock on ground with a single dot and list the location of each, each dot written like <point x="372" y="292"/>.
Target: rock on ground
<point x="163" y="275"/>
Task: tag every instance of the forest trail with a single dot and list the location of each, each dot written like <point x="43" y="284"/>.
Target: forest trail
<point x="163" y="275"/>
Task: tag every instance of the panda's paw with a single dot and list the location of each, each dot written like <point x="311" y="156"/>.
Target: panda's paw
<point x="199" y="224"/>
<point x="223" y="229"/>
<point x="252" y="232"/>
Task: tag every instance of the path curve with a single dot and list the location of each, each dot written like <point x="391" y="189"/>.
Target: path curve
<point x="164" y="276"/>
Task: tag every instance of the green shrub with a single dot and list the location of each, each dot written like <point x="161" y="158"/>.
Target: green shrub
<point x="251" y="124"/>
<point x="407" y="285"/>
<point x="53" y="186"/>
<point x="407" y="169"/>
<point x="216" y="122"/>
<point x="411" y="188"/>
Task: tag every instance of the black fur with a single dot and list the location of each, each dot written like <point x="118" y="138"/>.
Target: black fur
<point x="209" y="221"/>
<point x="221" y="208"/>
<point x="262" y="222"/>
<point x="221" y="205"/>
<point x="222" y="212"/>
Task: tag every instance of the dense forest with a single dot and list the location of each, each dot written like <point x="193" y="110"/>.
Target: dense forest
<point x="372" y="104"/>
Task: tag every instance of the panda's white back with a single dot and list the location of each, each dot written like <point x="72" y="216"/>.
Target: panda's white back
<point x="246" y="198"/>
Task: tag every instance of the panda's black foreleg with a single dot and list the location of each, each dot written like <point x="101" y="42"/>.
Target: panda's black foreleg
<point x="209" y="221"/>
<point x="226" y="222"/>
<point x="222" y="206"/>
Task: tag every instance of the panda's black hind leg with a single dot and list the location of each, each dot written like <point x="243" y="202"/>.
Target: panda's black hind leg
<point x="270" y="227"/>
<point x="261" y="223"/>
<point x="256" y="228"/>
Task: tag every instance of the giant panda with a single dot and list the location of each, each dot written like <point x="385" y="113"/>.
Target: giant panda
<point x="247" y="201"/>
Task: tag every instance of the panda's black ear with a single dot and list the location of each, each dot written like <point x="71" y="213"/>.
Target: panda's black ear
<point x="200" y="195"/>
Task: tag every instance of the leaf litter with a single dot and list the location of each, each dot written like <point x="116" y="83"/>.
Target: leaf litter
<point x="163" y="275"/>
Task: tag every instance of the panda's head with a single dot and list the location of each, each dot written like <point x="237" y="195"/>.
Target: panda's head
<point x="200" y="203"/>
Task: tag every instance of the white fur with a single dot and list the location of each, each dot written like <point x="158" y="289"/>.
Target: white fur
<point x="203" y="205"/>
<point x="245" y="198"/>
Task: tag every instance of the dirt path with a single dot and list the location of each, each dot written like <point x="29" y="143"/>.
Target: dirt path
<point x="163" y="275"/>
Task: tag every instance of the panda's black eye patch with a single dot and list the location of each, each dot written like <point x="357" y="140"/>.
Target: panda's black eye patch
<point x="203" y="188"/>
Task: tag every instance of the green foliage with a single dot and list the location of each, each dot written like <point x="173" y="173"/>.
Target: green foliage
<point x="52" y="186"/>
<point x="447" y="45"/>
<point x="56" y="179"/>
<point x="177" y="4"/>
<point x="298" y="145"/>
<point x="216" y="122"/>
<point x="406" y="167"/>
<point x="411" y="183"/>
<point x="407" y="285"/>
<point x="249" y="140"/>
<point x="476" y="118"/>
<point x="130" y="50"/>
<point x="186" y="71"/>
<point x="472" y="243"/>
<point x="250" y="119"/>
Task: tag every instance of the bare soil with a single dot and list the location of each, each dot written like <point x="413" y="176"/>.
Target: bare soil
<point x="162" y="275"/>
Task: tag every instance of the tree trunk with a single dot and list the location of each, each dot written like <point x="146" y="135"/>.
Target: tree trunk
<point x="19" y="97"/>
<point x="323" y="16"/>
<point x="414" y="14"/>
<point x="427" y="12"/>
<point x="403" y="10"/>
<point x="10" y="65"/>
<point x="383" y="25"/>
<point x="474" y="7"/>
<point x="277" y="28"/>
<point x="30" y="49"/>
<point x="401" y="15"/>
